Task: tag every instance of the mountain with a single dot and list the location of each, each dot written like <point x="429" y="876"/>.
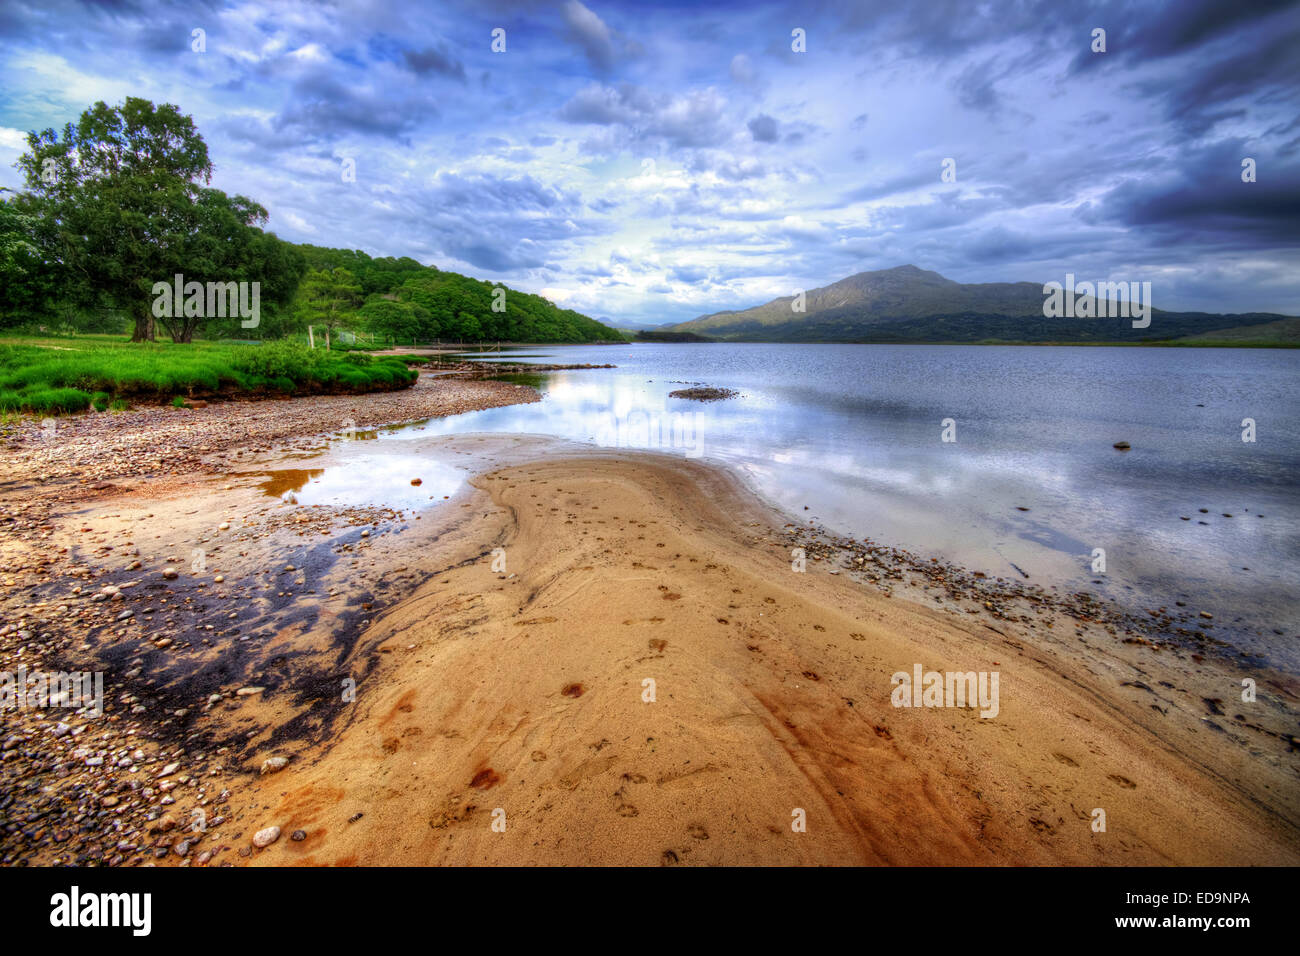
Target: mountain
<point x="907" y="304"/>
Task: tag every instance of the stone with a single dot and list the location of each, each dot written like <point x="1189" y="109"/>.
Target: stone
<point x="264" y="838"/>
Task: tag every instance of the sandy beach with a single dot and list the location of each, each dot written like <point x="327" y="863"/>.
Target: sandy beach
<point x="525" y="692"/>
<point x="583" y="657"/>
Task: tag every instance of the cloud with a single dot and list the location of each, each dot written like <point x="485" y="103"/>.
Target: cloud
<point x="698" y="118"/>
<point x="742" y="69"/>
<point x="432" y="60"/>
<point x="527" y="166"/>
<point x="591" y="34"/>
<point x="763" y="128"/>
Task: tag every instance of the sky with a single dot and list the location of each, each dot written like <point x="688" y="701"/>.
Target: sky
<point x="652" y="162"/>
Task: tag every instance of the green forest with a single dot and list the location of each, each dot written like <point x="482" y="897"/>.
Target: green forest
<point x="120" y="201"/>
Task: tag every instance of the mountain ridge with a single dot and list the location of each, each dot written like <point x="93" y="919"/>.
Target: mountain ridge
<point x="909" y="304"/>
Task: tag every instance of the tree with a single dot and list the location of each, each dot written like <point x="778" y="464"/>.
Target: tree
<point x="121" y="191"/>
<point x="330" y="296"/>
<point x="387" y="316"/>
<point x="27" y="285"/>
<point x="227" y="246"/>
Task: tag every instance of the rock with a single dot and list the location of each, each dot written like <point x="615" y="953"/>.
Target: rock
<point x="298" y="836"/>
<point x="170" y="574"/>
<point x="1207" y="615"/>
<point x="417" y="481"/>
<point x="249" y="691"/>
<point x="224" y="526"/>
<point x="704" y="394"/>
<point x="220" y="578"/>
<point x="182" y="848"/>
<point x="264" y="838"/>
<point x="272" y="764"/>
<point x="170" y="769"/>
<point x="1122" y="445"/>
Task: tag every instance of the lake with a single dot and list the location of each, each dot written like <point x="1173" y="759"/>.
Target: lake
<point x="854" y="434"/>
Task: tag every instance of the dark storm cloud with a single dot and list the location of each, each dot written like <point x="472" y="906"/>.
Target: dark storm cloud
<point x="1204" y="199"/>
<point x="432" y="60"/>
<point x="1230" y="51"/>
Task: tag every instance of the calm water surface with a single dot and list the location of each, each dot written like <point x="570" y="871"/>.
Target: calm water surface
<point x="854" y="434"/>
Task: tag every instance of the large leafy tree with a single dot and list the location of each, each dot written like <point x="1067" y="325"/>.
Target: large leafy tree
<point x="122" y="192"/>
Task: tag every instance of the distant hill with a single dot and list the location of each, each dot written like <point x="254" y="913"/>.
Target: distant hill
<point x="1281" y="332"/>
<point x="907" y="304"/>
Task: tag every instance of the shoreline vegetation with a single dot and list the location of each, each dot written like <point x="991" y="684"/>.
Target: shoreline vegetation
<point x="103" y="374"/>
<point x="65" y="375"/>
<point x="772" y="689"/>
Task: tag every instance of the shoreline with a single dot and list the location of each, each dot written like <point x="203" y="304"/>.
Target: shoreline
<point x="445" y="678"/>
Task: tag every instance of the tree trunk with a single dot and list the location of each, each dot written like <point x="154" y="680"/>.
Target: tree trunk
<point x="144" y="325"/>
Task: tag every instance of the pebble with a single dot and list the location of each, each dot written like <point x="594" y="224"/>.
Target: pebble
<point x="264" y="838"/>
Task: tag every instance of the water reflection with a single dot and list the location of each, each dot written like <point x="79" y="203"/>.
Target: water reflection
<point x="853" y="433"/>
<point x="368" y="480"/>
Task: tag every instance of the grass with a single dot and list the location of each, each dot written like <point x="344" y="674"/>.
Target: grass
<point x="63" y="375"/>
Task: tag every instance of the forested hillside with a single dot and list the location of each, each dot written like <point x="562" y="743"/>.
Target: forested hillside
<point x="405" y="300"/>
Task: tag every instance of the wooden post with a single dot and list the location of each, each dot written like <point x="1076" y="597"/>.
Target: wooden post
<point x="311" y="338"/>
<point x="327" y="338"/>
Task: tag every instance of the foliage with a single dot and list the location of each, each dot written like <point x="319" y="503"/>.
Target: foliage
<point x="120" y="202"/>
<point x="68" y="377"/>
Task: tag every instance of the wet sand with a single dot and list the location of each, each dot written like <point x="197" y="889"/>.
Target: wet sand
<point x="518" y="696"/>
<point x="521" y="696"/>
